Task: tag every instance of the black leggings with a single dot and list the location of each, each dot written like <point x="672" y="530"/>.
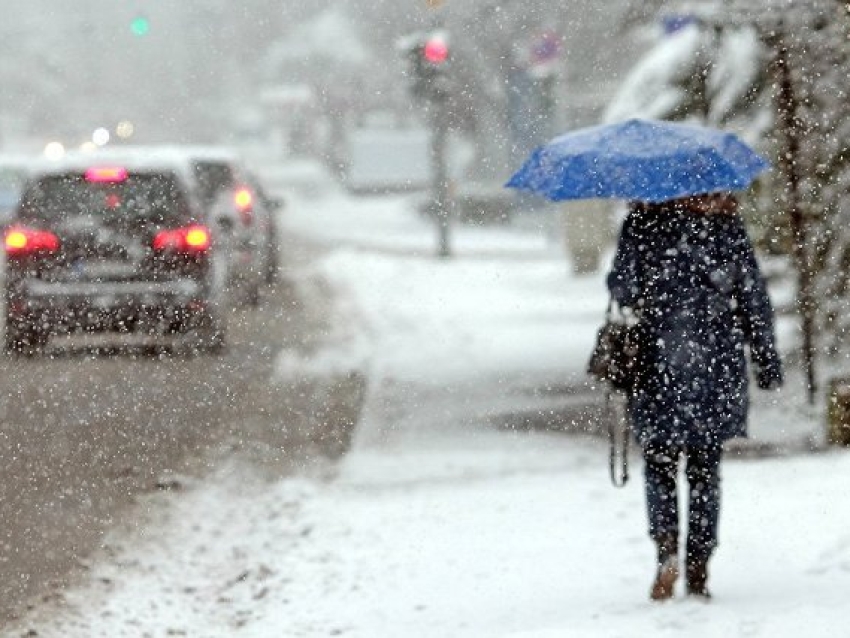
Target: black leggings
<point x="702" y="470"/>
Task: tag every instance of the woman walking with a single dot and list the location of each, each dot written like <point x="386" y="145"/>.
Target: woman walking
<point x="687" y="267"/>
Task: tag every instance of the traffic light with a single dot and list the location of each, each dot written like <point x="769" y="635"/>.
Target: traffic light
<point x="430" y="57"/>
<point x="140" y="26"/>
<point x="435" y="50"/>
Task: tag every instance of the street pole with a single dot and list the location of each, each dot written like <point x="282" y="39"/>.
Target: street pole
<point x="430" y="55"/>
<point x="787" y="103"/>
<point x="440" y="185"/>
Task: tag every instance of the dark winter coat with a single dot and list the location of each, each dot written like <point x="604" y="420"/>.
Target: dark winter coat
<point x="695" y="281"/>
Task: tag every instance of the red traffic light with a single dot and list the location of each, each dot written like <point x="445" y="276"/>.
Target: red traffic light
<point x="436" y="50"/>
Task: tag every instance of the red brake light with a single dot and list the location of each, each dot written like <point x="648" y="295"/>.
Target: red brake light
<point x="197" y="238"/>
<point x="189" y="239"/>
<point x="20" y="241"/>
<point x="106" y="174"/>
<point x="16" y="240"/>
<point x="243" y="199"/>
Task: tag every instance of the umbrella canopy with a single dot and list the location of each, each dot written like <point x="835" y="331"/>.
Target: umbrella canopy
<point x="644" y="160"/>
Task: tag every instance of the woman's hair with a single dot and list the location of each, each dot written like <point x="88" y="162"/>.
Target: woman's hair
<point x="645" y="207"/>
<point x="711" y="204"/>
<point x="705" y="204"/>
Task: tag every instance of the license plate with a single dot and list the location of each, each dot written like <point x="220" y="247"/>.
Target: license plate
<point x="103" y="302"/>
<point x="107" y="270"/>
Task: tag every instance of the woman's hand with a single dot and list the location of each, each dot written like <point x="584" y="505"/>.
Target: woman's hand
<point x="770" y="377"/>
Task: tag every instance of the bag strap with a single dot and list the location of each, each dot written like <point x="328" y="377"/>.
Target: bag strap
<point x="618" y="438"/>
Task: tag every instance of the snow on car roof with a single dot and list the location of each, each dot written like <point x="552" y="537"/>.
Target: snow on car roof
<point x="132" y="158"/>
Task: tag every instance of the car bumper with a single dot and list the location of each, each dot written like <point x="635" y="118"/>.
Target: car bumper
<point x="87" y="304"/>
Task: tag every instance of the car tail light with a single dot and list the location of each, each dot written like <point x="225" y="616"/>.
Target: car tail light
<point x="244" y="200"/>
<point x="189" y="239"/>
<point x="21" y="241"/>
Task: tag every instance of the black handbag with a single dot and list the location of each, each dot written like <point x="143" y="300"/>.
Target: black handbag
<point x="616" y="355"/>
<point x="616" y="361"/>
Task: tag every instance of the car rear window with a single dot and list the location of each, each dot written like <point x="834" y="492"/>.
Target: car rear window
<point x="212" y="178"/>
<point x="11" y="184"/>
<point x="142" y="197"/>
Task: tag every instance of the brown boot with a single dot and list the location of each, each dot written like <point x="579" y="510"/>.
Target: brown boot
<point x="696" y="579"/>
<point x="668" y="569"/>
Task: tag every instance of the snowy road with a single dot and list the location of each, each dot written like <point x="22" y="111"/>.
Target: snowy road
<point x="84" y="432"/>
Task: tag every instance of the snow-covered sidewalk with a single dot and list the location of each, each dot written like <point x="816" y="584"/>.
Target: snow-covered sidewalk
<point x="438" y="523"/>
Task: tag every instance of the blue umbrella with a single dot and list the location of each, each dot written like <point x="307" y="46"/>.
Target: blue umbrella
<point x="641" y="160"/>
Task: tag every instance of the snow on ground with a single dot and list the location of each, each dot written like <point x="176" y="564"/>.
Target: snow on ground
<point x="438" y="523"/>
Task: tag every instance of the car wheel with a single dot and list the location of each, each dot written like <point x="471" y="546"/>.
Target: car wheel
<point x="252" y="294"/>
<point x="272" y="265"/>
<point x="209" y="335"/>
<point x="24" y="340"/>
